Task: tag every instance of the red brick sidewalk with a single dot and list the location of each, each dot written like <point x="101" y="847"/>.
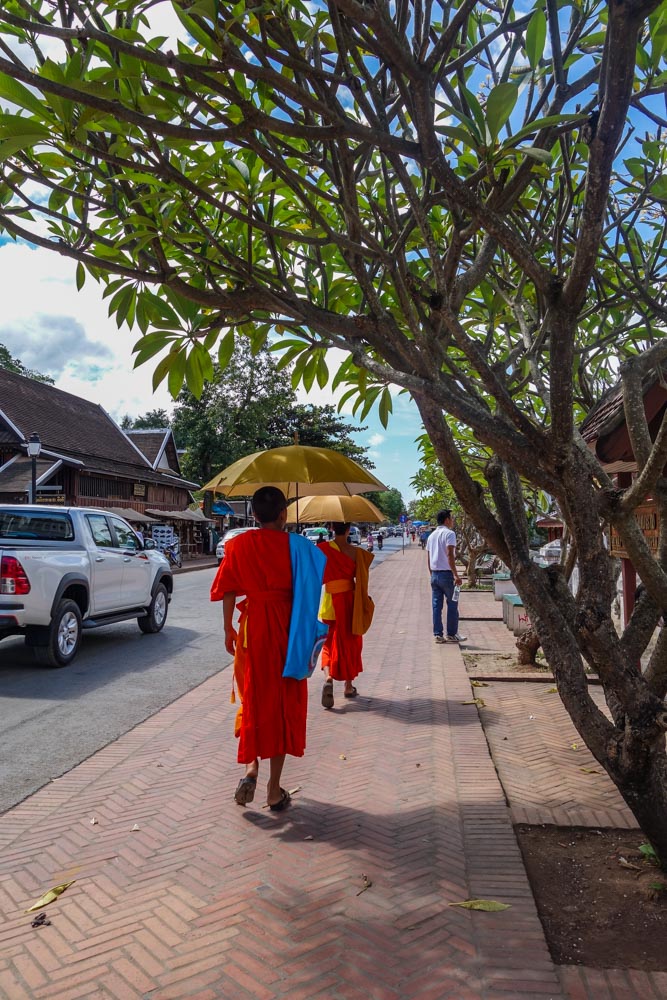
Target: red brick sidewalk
<point x="181" y="894"/>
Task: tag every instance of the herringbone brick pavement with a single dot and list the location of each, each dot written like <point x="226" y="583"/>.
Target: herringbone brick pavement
<point x="548" y="774"/>
<point x="180" y="893"/>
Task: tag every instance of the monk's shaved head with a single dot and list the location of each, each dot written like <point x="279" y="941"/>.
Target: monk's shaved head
<point x="268" y="503"/>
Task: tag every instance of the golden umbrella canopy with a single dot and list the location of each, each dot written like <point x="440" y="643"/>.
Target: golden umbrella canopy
<point x="297" y="470"/>
<point x="313" y="509"/>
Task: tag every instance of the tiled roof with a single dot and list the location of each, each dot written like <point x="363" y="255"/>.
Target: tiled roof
<point x="16" y="476"/>
<point x="73" y="427"/>
<point x="608" y="412"/>
<point x="7" y="435"/>
<point x="149" y="442"/>
<point x="63" y="421"/>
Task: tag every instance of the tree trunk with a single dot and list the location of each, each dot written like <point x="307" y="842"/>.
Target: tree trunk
<point x="471" y="569"/>
<point x="527" y="646"/>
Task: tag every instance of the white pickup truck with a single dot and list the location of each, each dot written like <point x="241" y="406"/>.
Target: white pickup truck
<point x="65" y="569"/>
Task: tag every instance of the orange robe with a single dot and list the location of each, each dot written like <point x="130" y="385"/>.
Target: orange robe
<point x="273" y="713"/>
<point x="341" y="653"/>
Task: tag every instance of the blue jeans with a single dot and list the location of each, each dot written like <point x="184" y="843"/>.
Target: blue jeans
<point x="442" y="588"/>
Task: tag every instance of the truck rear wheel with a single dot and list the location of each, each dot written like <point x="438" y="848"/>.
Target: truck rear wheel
<point x="64" y="637"/>
<point x="157" y="612"/>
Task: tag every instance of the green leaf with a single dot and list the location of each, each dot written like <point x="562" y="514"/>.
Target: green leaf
<point x="194" y="373"/>
<point x="385" y="407"/>
<point x="487" y="905"/>
<point x="500" y="105"/>
<point x="18" y="94"/>
<point x="80" y="276"/>
<point x="176" y="374"/>
<point x="322" y="372"/>
<point x="536" y="35"/>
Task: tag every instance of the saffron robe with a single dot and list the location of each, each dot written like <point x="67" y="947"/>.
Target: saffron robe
<point x="347" y="609"/>
<point x="272" y="718"/>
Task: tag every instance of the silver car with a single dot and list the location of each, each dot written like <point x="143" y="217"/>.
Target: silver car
<point x="232" y="533"/>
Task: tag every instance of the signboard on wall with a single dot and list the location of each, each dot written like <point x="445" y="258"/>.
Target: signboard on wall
<point x="139" y="490"/>
<point x="647" y="518"/>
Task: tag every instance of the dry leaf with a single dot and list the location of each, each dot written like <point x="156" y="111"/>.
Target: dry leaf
<point x="365" y="884"/>
<point x="341" y="756"/>
<point x="551" y="691"/>
<point x="590" y="770"/>
<point x="479" y="684"/>
<point x="488" y="905"/>
<point x="575" y="746"/>
<point x="50" y="896"/>
<point x="624" y="863"/>
<point x="475" y="701"/>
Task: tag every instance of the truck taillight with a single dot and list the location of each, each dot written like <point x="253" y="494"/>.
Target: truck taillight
<point x="12" y="577"/>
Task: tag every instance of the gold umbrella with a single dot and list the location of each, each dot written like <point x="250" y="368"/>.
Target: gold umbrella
<point x="313" y="509"/>
<point x="297" y="470"/>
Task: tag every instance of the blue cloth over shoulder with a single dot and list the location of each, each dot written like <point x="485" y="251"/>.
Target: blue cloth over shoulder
<point x="306" y="632"/>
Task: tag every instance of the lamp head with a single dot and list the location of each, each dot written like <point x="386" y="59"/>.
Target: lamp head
<point x="34" y="445"/>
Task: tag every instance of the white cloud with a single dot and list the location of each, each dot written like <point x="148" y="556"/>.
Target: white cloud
<point x="68" y="335"/>
<point x="375" y="439"/>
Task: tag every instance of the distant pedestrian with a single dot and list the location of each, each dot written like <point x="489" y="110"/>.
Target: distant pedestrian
<point x="441" y="558"/>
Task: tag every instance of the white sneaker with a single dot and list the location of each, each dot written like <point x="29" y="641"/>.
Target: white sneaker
<point x="457" y="638"/>
<point x="439" y="638"/>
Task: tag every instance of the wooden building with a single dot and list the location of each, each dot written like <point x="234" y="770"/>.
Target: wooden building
<point x="85" y="460"/>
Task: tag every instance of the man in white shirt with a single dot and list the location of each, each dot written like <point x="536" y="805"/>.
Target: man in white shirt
<point x="441" y="557"/>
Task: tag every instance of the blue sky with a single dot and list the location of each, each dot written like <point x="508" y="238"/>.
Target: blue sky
<point x="68" y="335"/>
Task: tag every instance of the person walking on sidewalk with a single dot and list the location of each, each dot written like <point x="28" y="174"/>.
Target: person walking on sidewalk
<point x="348" y="611"/>
<point x="275" y="572"/>
<point x="441" y="559"/>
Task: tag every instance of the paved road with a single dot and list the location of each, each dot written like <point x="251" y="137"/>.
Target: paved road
<point x="51" y="720"/>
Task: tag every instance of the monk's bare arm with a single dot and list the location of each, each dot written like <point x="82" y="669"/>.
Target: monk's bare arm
<point x="231" y="635"/>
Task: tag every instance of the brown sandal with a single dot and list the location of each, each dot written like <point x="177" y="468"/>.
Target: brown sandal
<point x="245" y="790"/>
<point x="352" y="693"/>
<point x="327" y="694"/>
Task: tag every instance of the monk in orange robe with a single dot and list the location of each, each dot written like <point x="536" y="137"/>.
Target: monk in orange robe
<point x="272" y="720"/>
<point x="347" y="610"/>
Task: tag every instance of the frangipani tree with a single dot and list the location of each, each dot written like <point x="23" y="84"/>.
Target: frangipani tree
<point x="466" y="198"/>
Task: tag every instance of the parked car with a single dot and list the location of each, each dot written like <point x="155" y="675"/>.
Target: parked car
<point x="316" y="534"/>
<point x="354" y="535"/>
<point x="232" y="533"/>
<point x="67" y="569"/>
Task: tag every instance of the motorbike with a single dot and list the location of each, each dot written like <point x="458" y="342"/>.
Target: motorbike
<point x="380" y="541"/>
<point x="173" y="554"/>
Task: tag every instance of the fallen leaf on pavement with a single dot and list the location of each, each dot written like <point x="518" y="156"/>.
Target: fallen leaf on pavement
<point x="475" y="701"/>
<point x="341" y="756"/>
<point x="365" y="884"/>
<point x="50" y="896"/>
<point x="478" y="684"/>
<point x="574" y="746"/>
<point x="551" y="691"/>
<point x="488" y="905"/>
<point x="590" y="770"/>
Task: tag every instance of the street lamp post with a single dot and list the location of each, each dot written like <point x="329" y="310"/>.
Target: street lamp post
<point x="34" y="448"/>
